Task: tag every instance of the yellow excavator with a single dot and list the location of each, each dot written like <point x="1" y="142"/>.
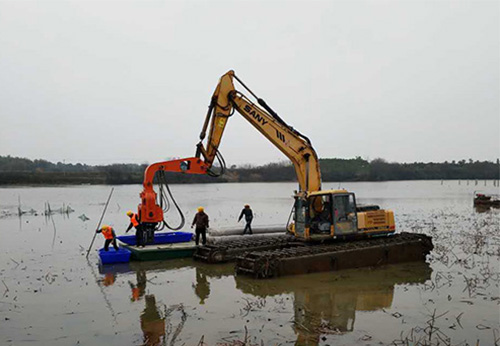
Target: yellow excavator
<point x="318" y="214"/>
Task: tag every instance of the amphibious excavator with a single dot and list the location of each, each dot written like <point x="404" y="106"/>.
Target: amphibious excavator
<point x="318" y="214"/>
<point x="322" y="216"/>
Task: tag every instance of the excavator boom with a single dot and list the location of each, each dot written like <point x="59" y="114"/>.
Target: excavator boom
<point x="226" y="99"/>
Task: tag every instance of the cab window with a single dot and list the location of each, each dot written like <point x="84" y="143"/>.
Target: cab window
<point x="344" y="207"/>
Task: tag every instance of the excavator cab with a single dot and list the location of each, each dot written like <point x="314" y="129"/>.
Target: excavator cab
<point x="344" y="213"/>
<point x="325" y="213"/>
<point x="320" y="215"/>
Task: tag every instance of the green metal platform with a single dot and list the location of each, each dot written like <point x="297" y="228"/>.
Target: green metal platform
<point x="158" y="252"/>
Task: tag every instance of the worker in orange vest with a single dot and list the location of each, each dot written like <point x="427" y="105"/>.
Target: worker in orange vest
<point x="109" y="234"/>
<point x="139" y="233"/>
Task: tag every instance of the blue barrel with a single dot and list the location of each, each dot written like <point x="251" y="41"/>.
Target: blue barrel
<point x="114" y="256"/>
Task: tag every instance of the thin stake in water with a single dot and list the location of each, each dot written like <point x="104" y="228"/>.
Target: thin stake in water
<point x="100" y="220"/>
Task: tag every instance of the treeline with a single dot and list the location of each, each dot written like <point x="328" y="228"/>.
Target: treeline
<point x="14" y="170"/>
<point x="358" y="169"/>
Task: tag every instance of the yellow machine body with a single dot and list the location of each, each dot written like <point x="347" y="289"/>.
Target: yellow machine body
<point x="318" y="213"/>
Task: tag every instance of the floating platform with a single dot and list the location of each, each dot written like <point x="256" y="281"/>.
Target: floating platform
<point x="228" y="250"/>
<point x="113" y="256"/>
<point x="158" y="252"/>
<point x="160" y="238"/>
<point x="398" y="248"/>
<point x="486" y="201"/>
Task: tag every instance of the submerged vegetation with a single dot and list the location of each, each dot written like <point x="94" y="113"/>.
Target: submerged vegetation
<point x="15" y="170"/>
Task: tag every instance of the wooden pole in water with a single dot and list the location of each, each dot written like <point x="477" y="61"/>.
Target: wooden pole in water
<point x="99" y="224"/>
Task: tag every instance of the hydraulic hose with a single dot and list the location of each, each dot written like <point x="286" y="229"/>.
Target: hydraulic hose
<point x="164" y="200"/>
<point x="271" y="111"/>
<point x="222" y="163"/>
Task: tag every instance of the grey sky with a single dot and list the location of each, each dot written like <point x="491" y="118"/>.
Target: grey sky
<point x="104" y="82"/>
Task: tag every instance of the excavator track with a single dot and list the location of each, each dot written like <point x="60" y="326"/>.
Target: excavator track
<point x="403" y="247"/>
<point x="226" y="251"/>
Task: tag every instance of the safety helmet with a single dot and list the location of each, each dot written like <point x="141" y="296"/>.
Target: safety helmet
<point x="104" y="227"/>
<point x="130" y="213"/>
<point x="200" y="209"/>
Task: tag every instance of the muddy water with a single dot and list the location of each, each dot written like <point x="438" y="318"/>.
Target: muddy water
<point x="51" y="295"/>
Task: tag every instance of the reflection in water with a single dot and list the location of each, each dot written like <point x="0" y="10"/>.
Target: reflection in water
<point x="152" y="323"/>
<point x="333" y="311"/>
<point x="109" y="279"/>
<point x="327" y="303"/>
<point x="160" y="324"/>
<point x="136" y="266"/>
<point x="138" y="289"/>
<point x="102" y="282"/>
<point x="323" y="303"/>
<point x="484" y="208"/>
<point x="203" y="273"/>
<point x="202" y="286"/>
<point x="156" y="319"/>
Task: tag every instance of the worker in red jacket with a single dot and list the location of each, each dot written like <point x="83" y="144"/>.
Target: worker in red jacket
<point x="109" y="234"/>
<point x="201" y="222"/>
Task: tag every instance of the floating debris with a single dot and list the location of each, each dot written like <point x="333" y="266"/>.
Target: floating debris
<point x="4" y="213"/>
<point x="83" y="217"/>
<point x="484" y="200"/>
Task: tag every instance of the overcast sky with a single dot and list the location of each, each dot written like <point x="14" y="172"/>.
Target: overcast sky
<point x="106" y="82"/>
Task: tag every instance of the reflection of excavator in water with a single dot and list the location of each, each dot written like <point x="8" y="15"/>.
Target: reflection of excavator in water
<point x="329" y="305"/>
<point x="152" y="323"/>
<point x="318" y="213"/>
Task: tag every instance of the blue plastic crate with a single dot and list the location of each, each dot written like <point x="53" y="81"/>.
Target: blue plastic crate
<point x="160" y="238"/>
<point x="113" y="256"/>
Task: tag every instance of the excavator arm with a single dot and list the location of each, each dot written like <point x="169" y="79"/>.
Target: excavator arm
<point x="226" y="99"/>
<point x="149" y="211"/>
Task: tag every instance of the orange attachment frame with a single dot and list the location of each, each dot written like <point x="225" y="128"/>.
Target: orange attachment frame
<point x="149" y="210"/>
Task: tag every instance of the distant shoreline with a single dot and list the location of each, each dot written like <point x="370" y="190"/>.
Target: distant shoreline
<point x="20" y="171"/>
<point x="216" y="181"/>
